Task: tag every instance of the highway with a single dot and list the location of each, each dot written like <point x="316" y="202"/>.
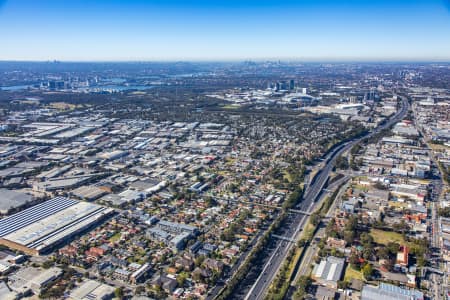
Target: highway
<point x="275" y="257"/>
<point x="312" y="249"/>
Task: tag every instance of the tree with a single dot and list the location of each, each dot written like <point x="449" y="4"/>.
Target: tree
<point x="366" y="240"/>
<point x="355" y="149"/>
<point x="209" y="201"/>
<point x="342" y="163"/>
<point x="389" y="264"/>
<point x="330" y="231"/>
<point x="315" y="219"/>
<point x="118" y="293"/>
<point x="302" y="287"/>
<point x="380" y="186"/>
<point x="349" y="236"/>
<point x="181" y="279"/>
<point x="354" y="261"/>
<point x="301" y="243"/>
<point x="343" y="284"/>
<point x="393" y="248"/>
<point x="401" y="227"/>
<point x="444" y="212"/>
<point x="47" y="264"/>
<point x="383" y="253"/>
<point x="367" y="271"/>
<point x="140" y="290"/>
<point x="197" y="276"/>
<point x="351" y="223"/>
<point x="199" y="260"/>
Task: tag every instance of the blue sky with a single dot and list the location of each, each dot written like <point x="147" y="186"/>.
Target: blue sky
<point x="225" y="30"/>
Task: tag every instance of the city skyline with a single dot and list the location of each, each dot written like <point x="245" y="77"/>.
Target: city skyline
<point x="225" y="30"/>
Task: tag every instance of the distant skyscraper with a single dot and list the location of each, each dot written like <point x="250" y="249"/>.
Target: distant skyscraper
<point x="370" y="95"/>
<point x="291" y="84"/>
<point x="56" y="85"/>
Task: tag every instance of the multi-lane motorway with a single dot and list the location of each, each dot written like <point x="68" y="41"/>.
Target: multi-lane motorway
<point x="275" y="257"/>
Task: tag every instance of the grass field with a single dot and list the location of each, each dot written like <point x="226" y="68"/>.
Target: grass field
<point x="398" y="204"/>
<point x="384" y="237"/>
<point x="296" y="257"/>
<point x="230" y="161"/>
<point x="308" y="231"/>
<point x="223" y="173"/>
<point x="231" y="106"/>
<point x="421" y="181"/>
<point x="115" y="237"/>
<point x="287" y="176"/>
<point x="351" y="273"/>
<point x="360" y="187"/>
<point x="62" y="105"/>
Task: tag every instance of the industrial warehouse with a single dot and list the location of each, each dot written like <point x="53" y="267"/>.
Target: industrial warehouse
<point x="40" y="228"/>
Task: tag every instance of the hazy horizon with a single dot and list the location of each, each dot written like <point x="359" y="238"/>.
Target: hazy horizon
<point x="242" y="60"/>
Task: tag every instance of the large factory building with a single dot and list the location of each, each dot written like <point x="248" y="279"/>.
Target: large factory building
<point x="39" y="229"/>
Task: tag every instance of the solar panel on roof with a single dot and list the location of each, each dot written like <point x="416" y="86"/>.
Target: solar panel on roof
<point x="64" y="228"/>
<point x="34" y="214"/>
